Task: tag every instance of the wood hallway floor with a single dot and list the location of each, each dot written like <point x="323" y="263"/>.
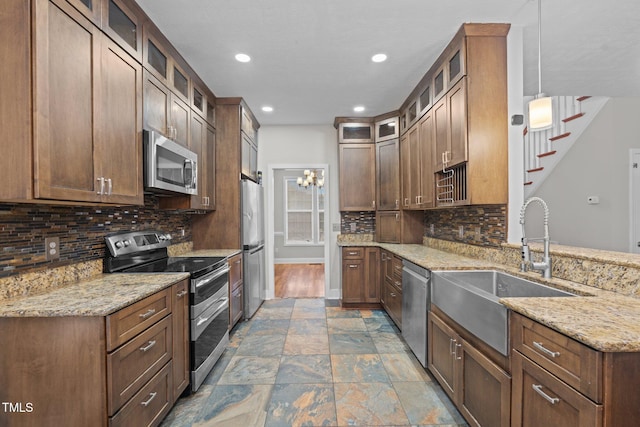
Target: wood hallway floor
<point x="299" y="280"/>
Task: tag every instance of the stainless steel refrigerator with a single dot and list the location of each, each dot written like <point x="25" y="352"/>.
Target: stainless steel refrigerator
<point x="253" y="247"/>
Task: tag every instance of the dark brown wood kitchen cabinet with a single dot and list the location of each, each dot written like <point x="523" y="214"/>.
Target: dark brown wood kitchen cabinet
<point x="80" y="141"/>
<point x="236" y="290"/>
<point x="221" y="228"/>
<point x="164" y="111"/>
<point x="122" y="22"/>
<point x="388" y="175"/>
<point x="360" y="277"/>
<point x="560" y="381"/>
<point x="391" y="278"/>
<point x="119" y="369"/>
<point x="357" y="177"/>
<point x="477" y="385"/>
<point x="181" y="369"/>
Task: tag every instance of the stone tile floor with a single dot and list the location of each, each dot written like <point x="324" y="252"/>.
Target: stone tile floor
<point x="307" y="362"/>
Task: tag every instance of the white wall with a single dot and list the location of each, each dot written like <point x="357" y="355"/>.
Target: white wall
<point x="596" y="165"/>
<point x="313" y="144"/>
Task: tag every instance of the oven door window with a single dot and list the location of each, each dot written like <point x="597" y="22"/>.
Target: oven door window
<point x="205" y="287"/>
<point x="207" y="330"/>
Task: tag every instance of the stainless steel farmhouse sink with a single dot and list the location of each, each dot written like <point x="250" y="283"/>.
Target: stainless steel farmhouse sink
<point x="470" y="297"/>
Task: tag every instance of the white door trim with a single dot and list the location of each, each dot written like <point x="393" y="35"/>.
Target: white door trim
<point x="634" y="199"/>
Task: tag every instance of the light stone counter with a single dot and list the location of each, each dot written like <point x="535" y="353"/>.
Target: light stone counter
<point x="605" y="320"/>
<point x="99" y="296"/>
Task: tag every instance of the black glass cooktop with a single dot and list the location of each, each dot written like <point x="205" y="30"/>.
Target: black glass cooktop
<point x="196" y="266"/>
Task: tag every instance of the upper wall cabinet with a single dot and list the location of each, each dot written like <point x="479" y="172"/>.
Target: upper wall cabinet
<point x="124" y="25"/>
<point x="81" y="141"/>
<point x="387" y="129"/>
<point x="355" y="132"/>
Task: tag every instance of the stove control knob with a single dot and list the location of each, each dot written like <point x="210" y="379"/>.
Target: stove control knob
<point x="167" y="236"/>
<point x="126" y="242"/>
<point x="119" y="244"/>
<point x="161" y="237"/>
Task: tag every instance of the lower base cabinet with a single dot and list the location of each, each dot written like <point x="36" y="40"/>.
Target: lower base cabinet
<point x="562" y="382"/>
<point x="236" y="290"/>
<point x="360" y="277"/>
<point x="116" y="370"/>
<point x="479" y="388"/>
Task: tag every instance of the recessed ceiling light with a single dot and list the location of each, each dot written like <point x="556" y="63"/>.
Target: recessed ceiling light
<point x="243" y="57"/>
<point x="379" y="57"/>
<point x="267" y="109"/>
<point x="358" y="109"/>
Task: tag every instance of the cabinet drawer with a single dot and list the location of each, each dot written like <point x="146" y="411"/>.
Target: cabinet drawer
<point x="235" y="271"/>
<point x="133" y="364"/>
<point x="397" y="269"/>
<point x="352" y="253"/>
<point x="545" y="400"/>
<point x="150" y="405"/>
<point x="130" y="321"/>
<point x="574" y="363"/>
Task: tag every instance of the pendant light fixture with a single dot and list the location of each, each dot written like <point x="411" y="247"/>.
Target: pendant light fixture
<point x="541" y="107"/>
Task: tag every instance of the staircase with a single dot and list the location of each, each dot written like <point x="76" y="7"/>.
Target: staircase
<point x="543" y="150"/>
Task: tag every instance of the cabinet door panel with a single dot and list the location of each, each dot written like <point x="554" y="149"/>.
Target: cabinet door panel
<point x="156" y="105"/>
<point x="486" y="392"/>
<point x="352" y="280"/>
<point x="415" y="167"/>
<point x="440" y="353"/>
<point x="405" y="165"/>
<point x="372" y="278"/>
<point x="387" y="158"/>
<point x="357" y="177"/>
<point x="180" y="312"/>
<point x="388" y="227"/>
<point x="457" y="106"/>
<point x="67" y="47"/>
<point x="210" y="168"/>
<point x="180" y="113"/>
<point x="426" y="161"/>
<point x="440" y="133"/>
<point x="119" y="124"/>
<point x="198" y="145"/>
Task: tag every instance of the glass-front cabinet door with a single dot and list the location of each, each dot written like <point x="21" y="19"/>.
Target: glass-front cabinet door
<point x="89" y="8"/>
<point x="387" y="129"/>
<point x="355" y="132"/>
<point x="123" y="25"/>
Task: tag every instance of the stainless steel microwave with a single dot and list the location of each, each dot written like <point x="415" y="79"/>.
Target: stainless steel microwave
<point x="168" y="166"/>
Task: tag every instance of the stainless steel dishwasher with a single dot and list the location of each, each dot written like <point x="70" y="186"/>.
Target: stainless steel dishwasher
<point x="415" y="303"/>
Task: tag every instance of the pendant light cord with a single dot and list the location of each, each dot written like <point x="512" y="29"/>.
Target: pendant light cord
<point x="539" y="47"/>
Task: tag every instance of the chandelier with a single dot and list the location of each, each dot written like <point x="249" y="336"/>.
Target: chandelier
<point x="311" y="178"/>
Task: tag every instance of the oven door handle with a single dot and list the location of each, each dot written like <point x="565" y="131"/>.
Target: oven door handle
<point x="211" y="276"/>
<point x="222" y="302"/>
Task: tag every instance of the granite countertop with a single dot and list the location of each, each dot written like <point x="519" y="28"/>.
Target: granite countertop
<point x="604" y="320"/>
<point x="99" y="296"/>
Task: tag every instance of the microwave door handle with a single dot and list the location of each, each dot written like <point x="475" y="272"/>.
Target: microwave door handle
<point x="192" y="183"/>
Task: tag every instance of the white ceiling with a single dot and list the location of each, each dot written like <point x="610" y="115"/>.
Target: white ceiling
<point x="311" y="59"/>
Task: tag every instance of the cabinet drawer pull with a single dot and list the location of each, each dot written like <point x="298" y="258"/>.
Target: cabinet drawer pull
<point x="546" y="351"/>
<point x="181" y="294"/>
<point x="538" y="389"/>
<point x="353" y="265"/>
<point x="148" y="313"/>
<point x="392" y="294"/>
<point x="148" y="346"/>
<point x="148" y="401"/>
<point x="353" y="253"/>
<point x="406" y="201"/>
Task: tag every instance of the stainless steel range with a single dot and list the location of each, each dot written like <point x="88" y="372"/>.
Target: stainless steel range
<point x="146" y="252"/>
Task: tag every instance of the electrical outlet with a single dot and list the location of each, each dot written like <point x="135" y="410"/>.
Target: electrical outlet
<point x="352" y="226"/>
<point x="461" y="231"/>
<point x="52" y="248"/>
<point x="432" y="229"/>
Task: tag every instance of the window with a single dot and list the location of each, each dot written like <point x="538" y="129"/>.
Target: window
<point x="304" y="213"/>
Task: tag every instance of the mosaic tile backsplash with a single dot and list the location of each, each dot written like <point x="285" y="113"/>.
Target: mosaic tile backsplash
<point x="481" y="225"/>
<point x="81" y="230"/>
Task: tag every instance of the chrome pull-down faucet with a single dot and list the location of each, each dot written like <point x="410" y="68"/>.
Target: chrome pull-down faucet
<point x="545" y="266"/>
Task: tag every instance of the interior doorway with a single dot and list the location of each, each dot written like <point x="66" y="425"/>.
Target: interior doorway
<point x="298" y="226"/>
<point x="634" y="201"/>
